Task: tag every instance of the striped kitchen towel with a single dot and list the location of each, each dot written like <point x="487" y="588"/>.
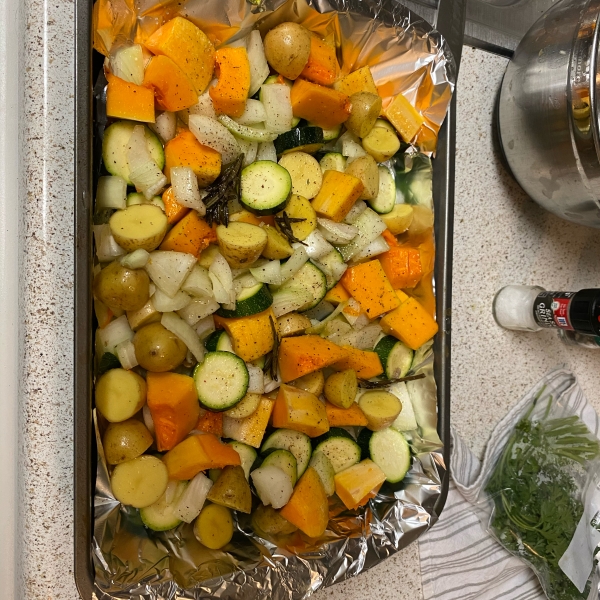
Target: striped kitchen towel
<point x="459" y="560"/>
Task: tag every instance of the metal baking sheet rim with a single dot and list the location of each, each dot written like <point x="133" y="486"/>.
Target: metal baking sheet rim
<point x="85" y="456"/>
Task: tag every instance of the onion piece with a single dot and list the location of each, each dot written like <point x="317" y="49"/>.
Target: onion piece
<point x="249" y="149"/>
<point x="192" y="500"/>
<point x="273" y="486"/>
<point x="256" y="382"/>
<point x="111" y="192"/>
<point x="127" y="63"/>
<point x="336" y="233"/>
<point x="266" y="151"/>
<point x="186" y="190"/>
<point x="294" y="263"/>
<point x="355" y="212"/>
<point x="198" y="309"/>
<point x="288" y="300"/>
<point x="320" y="311"/>
<point x="350" y="145"/>
<point x="165" y="126"/>
<point x="107" y="248"/>
<point x="136" y="260"/>
<point x="164" y="303"/>
<point x="211" y="133"/>
<point x="198" y="283"/>
<point x="259" y="68"/>
<point x="267" y="272"/>
<point x="126" y="355"/>
<point x="148" y="420"/>
<point x="220" y="271"/>
<point x="253" y="113"/>
<point x="115" y="333"/>
<point x="205" y="327"/>
<point x="143" y="171"/>
<point x="185" y="333"/>
<point x="376" y="247"/>
<point x="316" y="245"/>
<point x="278" y="106"/>
<point x="270" y="383"/>
<point x="168" y="269"/>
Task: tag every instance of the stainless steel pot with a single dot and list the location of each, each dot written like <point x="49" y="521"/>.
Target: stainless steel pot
<point x="548" y="114"/>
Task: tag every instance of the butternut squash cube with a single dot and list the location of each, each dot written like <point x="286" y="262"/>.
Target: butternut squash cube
<point x="404" y="117"/>
<point x="308" y="507"/>
<point x="360" y="80"/>
<point x="364" y="362"/>
<point x="174" y="211"/>
<point x="322" y="66"/>
<point x="338" y="193"/>
<point x="192" y="235"/>
<point x="188" y="47"/>
<point x="172" y="88"/>
<point x="337" y="294"/>
<point x="354" y="485"/>
<point x="345" y="417"/>
<point x="185" y="150"/>
<point x="402" y="266"/>
<point x="233" y="72"/>
<point x="320" y="105"/>
<point x="199" y="453"/>
<point x="250" y="430"/>
<point x="410" y="323"/>
<point x="305" y="354"/>
<point x="126" y="100"/>
<point x="251" y="337"/>
<point x="369" y="286"/>
<point x="300" y="410"/>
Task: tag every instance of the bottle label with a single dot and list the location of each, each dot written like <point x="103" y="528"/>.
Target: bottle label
<point x="551" y="309"/>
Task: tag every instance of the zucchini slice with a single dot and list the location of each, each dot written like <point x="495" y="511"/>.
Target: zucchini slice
<point x="218" y="340"/>
<point x="293" y="441"/>
<point x="390" y="452"/>
<point x="395" y="357"/>
<point x="265" y="187"/>
<point x="161" y="516"/>
<point x="310" y="278"/>
<point x="221" y="380"/>
<point x="114" y="148"/>
<point x="301" y="139"/>
<point x="329" y="134"/>
<point x="247" y="456"/>
<point x="385" y="200"/>
<point x="251" y="301"/>
<point x="333" y="161"/>
<point x="340" y="448"/>
<point x="335" y="267"/>
<point x="322" y="465"/>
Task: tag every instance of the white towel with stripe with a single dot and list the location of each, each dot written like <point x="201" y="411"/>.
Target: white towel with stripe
<point x="459" y="560"/>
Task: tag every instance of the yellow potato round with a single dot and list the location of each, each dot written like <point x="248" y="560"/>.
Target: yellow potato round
<point x="305" y="172"/>
<point x="120" y="394"/>
<point x="298" y="207"/>
<point x="364" y="112"/>
<point x="139" y="226"/>
<point x="121" y="288"/>
<point x="214" y="526"/>
<point x="157" y="349"/>
<point x="311" y="382"/>
<point x="341" y="388"/>
<point x="399" y="220"/>
<point x="277" y="246"/>
<point x="381" y="408"/>
<point x="267" y="521"/>
<point x="241" y="243"/>
<point x="140" y="482"/>
<point x="125" y="441"/>
<point x="292" y="324"/>
<point x="381" y="143"/>
<point x="287" y="48"/>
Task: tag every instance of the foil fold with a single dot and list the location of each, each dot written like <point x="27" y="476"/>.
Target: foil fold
<point x="405" y="55"/>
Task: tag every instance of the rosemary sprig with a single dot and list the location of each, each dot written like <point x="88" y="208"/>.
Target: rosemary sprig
<point x="224" y="189"/>
<point x="373" y="385"/>
<point x="285" y="225"/>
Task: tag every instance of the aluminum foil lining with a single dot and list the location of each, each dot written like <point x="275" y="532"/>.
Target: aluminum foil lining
<point x="405" y="55"/>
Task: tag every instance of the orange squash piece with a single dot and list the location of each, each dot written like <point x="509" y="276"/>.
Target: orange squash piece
<point x="364" y="362"/>
<point x="404" y="117"/>
<point x="369" y="286"/>
<point x="126" y="100"/>
<point x="354" y="485"/>
<point x="185" y="150"/>
<point x="320" y="105"/>
<point x="251" y="337"/>
<point x="172" y="89"/>
<point x="423" y="292"/>
<point x="210" y="422"/>
<point x="410" y="323"/>
<point x="390" y="238"/>
<point x="233" y="81"/>
<point x="188" y="47"/>
<point x="308" y="507"/>
<point x="338" y="193"/>
<point x="199" y="453"/>
<point x="402" y="266"/>
<point x="192" y="235"/>
<point x="345" y="417"/>
<point x="305" y="354"/>
<point x="174" y="211"/>
<point x="173" y="403"/>
<point x="337" y="294"/>
<point x="322" y="66"/>
<point x="300" y="410"/>
<point x="251" y="429"/>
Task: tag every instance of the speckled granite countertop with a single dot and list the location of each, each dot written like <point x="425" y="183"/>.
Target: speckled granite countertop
<point x="500" y="237"/>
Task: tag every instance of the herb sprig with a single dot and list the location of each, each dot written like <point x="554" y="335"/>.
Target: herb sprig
<point x="381" y="383"/>
<point x="224" y="189"/>
<point x="537" y="499"/>
<point x="272" y="358"/>
<point x="285" y="226"/>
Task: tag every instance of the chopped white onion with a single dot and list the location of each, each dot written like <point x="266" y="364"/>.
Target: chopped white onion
<point x="336" y="233"/>
<point x="148" y="420"/>
<point x="165" y="125"/>
<point x="221" y="295"/>
<point x="111" y="192"/>
<point x="259" y="68"/>
<point x="115" y="333"/>
<point x="288" y="300"/>
<point x="221" y="270"/>
<point x="211" y="133"/>
<point x="294" y="263"/>
<point x="192" y="500"/>
<point x="256" y="383"/>
<point x="106" y="247"/>
<point x="253" y="113"/>
<point x="164" y="303"/>
<point x="185" y="333"/>
<point x="351" y="146"/>
<point x="267" y="272"/>
<point x="204" y="108"/>
<point x="320" y="311"/>
<point x="186" y="190"/>
<point x="128" y="64"/>
<point x="205" y="327"/>
<point x="376" y="247"/>
<point x="247" y="280"/>
<point x="336" y="329"/>
<point x="316" y="245"/>
<point x="136" y="259"/>
<point x="168" y="269"/>
<point x="364" y="339"/>
<point x="266" y="151"/>
<point x="320" y="327"/>
<point x="278" y="106"/>
<point x="355" y="212"/>
<point x="198" y="283"/>
<point x="271" y="384"/>
<point x="249" y="149"/>
<point x="126" y="355"/>
<point x="143" y="171"/>
<point x="198" y="309"/>
<point x="273" y="485"/>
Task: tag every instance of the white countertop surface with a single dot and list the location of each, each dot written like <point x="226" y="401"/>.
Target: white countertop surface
<point x="500" y="237"/>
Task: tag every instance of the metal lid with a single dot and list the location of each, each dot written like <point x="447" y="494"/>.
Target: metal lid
<point x="584" y="311"/>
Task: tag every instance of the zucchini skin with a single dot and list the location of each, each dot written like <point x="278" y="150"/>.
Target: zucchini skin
<point x="301" y="139"/>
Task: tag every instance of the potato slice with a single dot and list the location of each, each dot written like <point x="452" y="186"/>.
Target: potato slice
<point x="298" y="207"/>
<point x="139" y="226"/>
<point x="312" y="382"/>
<point x="125" y="441"/>
<point x="245" y="407"/>
<point x="139" y="482"/>
<point x="287" y="48"/>
<point x="241" y="243"/>
<point x="381" y="408"/>
<point x="365" y="168"/>
<point x="381" y="143"/>
<point x="399" y="220"/>
<point x="365" y="110"/>
<point x="305" y="171"/>
<point x="293" y="324"/>
<point x="232" y="490"/>
<point x="267" y="521"/>
<point x="120" y="394"/>
<point x="341" y="388"/>
<point x="277" y="245"/>
<point x="214" y="526"/>
<point x="144" y="316"/>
